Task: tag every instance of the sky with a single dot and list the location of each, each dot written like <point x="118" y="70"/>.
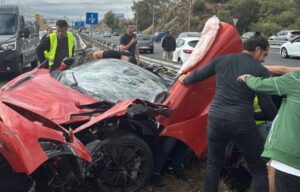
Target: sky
<point x="75" y="9"/>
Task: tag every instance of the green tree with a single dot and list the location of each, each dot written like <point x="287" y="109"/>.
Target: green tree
<point x="247" y="11"/>
<point x="111" y="20"/>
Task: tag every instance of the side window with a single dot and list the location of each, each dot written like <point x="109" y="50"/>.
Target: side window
<point x="297" y="40"/>
<point x="179" y="42"/>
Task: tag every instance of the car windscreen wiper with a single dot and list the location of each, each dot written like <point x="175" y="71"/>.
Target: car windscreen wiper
<point x="75" y="80"/>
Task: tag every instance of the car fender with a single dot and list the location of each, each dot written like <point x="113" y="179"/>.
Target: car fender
<point x="20" y="141"/>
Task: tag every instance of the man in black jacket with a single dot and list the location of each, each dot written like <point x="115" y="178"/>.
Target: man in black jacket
<point x="169" y="45"/>
<point x="231" y="116"/>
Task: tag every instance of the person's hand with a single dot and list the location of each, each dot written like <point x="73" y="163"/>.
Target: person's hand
<point x="242" y="77"/>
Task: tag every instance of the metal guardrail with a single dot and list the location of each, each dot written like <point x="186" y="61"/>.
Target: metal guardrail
<point x="275" y="44"/>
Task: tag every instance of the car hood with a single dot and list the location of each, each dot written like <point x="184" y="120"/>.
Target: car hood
<point x="37" y="91"/>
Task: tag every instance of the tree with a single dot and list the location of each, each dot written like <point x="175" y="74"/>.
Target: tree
<point x="111" y="20"/>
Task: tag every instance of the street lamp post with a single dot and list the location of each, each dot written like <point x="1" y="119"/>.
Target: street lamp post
<point x="189" y="23"/>
<point x="153" y="17"/>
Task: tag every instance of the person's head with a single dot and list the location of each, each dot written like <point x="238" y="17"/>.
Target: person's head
<point x="61" y="28"/>
<point x="258" y="47"/>
<point x="130" y="28"/>
<point x="49" y="30"/>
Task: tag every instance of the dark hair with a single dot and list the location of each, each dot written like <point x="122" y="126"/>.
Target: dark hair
<point x="132" y="59"/>
<point x="62" y="23"/>
<point x="256" y="41"/>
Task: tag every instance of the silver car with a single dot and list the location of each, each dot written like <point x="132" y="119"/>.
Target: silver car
<point x="285" y="35"/>
<point x="145" y="43"/>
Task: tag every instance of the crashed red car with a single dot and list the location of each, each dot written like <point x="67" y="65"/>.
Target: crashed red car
<point x="125" y="130"/>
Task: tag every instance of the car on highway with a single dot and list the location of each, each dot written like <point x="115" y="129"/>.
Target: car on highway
<point x="184" y="48"/>
<point x="285" y="35"/>
<point x="189" y="34"/>
<point x="145" y="43"/>
<point x="290" y="48"/>
<point x="157" y="36"/>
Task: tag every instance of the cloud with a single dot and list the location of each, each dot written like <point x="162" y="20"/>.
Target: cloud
<point x="76" y="9"/>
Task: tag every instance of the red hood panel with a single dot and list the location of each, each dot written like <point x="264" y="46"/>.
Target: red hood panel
<point x="45" y="96"/>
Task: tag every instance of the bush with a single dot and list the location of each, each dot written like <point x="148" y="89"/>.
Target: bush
<point x="198" y="7"/>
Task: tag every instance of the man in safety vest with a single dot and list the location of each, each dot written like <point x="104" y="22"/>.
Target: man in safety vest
<point x="58" y="45"/>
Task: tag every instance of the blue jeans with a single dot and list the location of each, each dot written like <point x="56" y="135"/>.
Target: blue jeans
<point x="246" y="137"/>
<point x="285" y="182"/>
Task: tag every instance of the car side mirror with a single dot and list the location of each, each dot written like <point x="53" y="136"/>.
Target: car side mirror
<point x="25" y="33"/>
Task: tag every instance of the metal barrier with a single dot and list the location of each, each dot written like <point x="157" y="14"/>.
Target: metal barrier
<point x="275" y="44"/>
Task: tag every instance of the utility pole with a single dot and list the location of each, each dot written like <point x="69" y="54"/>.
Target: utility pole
<point x="153" y="17"/>
<point x="189" y="23"/>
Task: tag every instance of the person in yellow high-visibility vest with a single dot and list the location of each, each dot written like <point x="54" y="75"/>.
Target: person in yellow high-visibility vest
<point x="58" y="45"/>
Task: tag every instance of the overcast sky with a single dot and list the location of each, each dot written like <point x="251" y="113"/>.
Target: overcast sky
<point x="75" y="9"/>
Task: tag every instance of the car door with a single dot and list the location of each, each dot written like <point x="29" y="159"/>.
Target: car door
<point x="294" y="47"/>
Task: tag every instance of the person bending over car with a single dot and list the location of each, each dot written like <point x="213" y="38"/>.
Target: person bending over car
<point x="58" y="46"/>
<point x="231" y="116"/>
<point x="101" y="54"/>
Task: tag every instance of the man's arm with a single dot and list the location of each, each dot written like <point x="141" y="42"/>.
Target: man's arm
<point x="123" y="45"/>
<point x="202" y="73"/>
<point x="43" y="46"/>
<point x="279" y="69"/>
<point x="137" y="55"/>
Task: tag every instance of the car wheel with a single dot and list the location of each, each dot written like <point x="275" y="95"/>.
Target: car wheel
<point x="12" y="181"/>
<point x="284" y="53"/>
<point x="180" y="61"/>
<point x="122" y="163"/>
<point x="34" y="63"/>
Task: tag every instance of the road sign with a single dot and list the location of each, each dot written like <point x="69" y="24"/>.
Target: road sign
<point x="91" y="18"/>
<point x="79" y="24"/>
<point x="235" y="20"/>
<point x="120" y="16"/>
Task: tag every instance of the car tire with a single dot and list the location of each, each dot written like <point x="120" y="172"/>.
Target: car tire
<point x="151" y="51"/>
<point x="12" y="181"/>
<point x="122" y="162"/>
<point x="284" y="53"/>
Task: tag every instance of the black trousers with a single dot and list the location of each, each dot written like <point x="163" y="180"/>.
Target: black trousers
<point x="246" y="137"/>
<point x="285" y="182"/>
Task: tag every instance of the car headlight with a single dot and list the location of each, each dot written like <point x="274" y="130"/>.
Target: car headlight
<point x="9" y="46"/>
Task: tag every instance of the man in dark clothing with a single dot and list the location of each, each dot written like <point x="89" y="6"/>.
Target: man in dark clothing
<point x="128" y="42"/>
<point x="114" y="54"/>
<point x="231" y="116"/>
<point x="58" y="46"/>
<point x="169" y="45"/>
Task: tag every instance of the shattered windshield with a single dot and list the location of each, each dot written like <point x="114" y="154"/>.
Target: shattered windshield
<point x="8" y="24"/>
<point x="113" y="80"/>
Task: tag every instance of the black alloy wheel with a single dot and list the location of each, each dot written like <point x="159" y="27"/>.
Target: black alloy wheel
<point x="123" y="164"/>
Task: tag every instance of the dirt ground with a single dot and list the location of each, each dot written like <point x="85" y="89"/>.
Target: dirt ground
<point x="195" y="173"/>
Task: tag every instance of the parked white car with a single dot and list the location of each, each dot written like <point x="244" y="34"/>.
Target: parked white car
<point x="184" y="48"/>
<point x="290" y="48"/>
